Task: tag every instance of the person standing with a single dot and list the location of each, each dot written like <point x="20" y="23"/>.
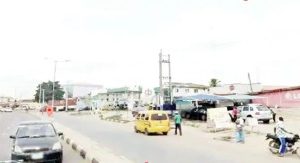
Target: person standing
<point x="234" y="113"/>
<point x="240" y="136"/>
<point x="281" y="134"/>
<point x="273" y="114"/>
<point x="178" y="121"/>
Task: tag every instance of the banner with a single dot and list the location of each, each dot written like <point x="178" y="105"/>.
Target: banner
<point x="218" y="118"/>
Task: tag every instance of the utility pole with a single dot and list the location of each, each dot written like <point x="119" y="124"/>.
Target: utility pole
<point x="164" y="60"/>
<point x="67" y="100"/>
<point x="53" y="84"/>
<point x="161" y="91"/>
<point x="40" y="96"/>
<point x="250" y="82"/>
<point x="43" y="97"/>
<point x="170" y="84"/>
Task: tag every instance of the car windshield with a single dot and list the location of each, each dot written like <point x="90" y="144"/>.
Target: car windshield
<point x="37" y="130"/>
<point x="158" y="117"/>
<point x="262" y="108"/>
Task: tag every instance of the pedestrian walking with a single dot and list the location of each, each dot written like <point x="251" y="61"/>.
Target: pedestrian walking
<point x="234" y="113"/>
<point x="240" y="135"/>
<point x="178" y="121"/>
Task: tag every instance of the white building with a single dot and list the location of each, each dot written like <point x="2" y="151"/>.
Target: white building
<point x="181" y="90"/>
<point x="81" y="90"/>
<point x="129" y="95"/>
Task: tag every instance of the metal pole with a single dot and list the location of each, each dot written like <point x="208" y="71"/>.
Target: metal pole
<point x="67" y="100"/>
<point x="53" y="84"/>
<point x="161" y="95"/>
<point x="250" y="82"/>
<point x="43" y="97"/>
<point x="40" y="94"/>
<point x="170" y="84"/>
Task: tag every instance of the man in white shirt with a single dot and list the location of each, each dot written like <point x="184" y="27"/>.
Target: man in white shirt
<point x="281" y="134"/>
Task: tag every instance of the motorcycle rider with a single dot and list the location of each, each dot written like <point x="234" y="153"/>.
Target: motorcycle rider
<point x="281" y="134"/>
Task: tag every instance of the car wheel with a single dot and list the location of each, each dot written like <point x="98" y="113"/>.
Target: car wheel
<point x="146" y="132"/>
<point x="187" y="116"/>
<point x="203" y="117"/>
<point x="136" y="130"/>
<point x="165" y="133"/>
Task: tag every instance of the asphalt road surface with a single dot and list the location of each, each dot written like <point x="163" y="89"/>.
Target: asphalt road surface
<point x="194" y="146"/>
<point x="8" y="123"/>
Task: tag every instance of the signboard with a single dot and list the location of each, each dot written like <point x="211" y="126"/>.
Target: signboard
<point x="218" y="118"/>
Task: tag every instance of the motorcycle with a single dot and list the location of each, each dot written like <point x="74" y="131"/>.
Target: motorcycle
<point x="274" y="144"/>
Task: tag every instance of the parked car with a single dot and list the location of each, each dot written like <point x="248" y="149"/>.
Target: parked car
<point x="36" y="141"/>
<point x="84" y="108"/>
<point x="258" y="111"/>
<point x="7" y="109"/>
<point x="152" y="122"/>
<point x="199" y="113"/>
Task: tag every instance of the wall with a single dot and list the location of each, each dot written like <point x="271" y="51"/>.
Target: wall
<point x="283" y="99"/>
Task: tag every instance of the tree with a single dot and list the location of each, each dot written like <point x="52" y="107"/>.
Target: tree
<point x="48" y="88"/>
<point x="214" y="82"/>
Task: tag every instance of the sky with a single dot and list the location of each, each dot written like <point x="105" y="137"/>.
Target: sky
<point x="116" y="43"/>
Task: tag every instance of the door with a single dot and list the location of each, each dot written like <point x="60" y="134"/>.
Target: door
<point x="245" y="112"/>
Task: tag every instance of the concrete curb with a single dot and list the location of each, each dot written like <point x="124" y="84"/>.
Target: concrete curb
<point x="90" y="154"/>
<point x="80" y="150"/>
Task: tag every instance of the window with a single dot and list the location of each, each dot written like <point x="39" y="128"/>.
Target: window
<point x="246" y="108"/>
<point x="262" y="108"/>
<point x="251" y="108"/>
<point x="138" y="116"/>
<point x="147" y="117"/>
<point x="159" y="117"/>
<point x="37" y="130"/>
<point x="195" y="90"/>
<point x="187" y="90"/>
<point x="177" y="90"/>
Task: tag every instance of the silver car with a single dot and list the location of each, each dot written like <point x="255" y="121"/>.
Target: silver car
<point x="258" y="111"/>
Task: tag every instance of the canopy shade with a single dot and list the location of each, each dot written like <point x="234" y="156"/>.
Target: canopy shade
<point x="203" y="97"/>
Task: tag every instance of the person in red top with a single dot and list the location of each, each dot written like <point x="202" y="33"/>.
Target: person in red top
<point x="234" y="113"/>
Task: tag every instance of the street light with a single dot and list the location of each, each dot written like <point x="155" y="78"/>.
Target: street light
<point x="53" y="84"/>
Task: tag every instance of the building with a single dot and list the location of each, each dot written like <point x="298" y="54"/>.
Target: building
<point x="6" y="101"/>
<point x="118" y="95"/>
<point x="80" y="90"/>
<point x="181" y="90"/>
<point x="287" y="97"/>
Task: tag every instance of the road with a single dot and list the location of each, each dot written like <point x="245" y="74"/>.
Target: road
<point x="8" y="122"/>
<point x="193" y="147"/>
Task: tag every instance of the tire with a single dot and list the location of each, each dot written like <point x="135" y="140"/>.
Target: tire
<point x="273" y="147"/>
<point x="266" y="121"/>
<point x="146" y="132"/>
<point x="165" y="133"/>
<point x="136" y="130"/>
<point x="203" y="117"/>
<point x="187" y="116"/>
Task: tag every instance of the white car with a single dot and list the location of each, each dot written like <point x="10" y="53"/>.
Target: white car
<point x="258" y="111"/>
<point x="7" y="109"/>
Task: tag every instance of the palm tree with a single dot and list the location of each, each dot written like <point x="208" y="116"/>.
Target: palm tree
<point x="214" y="82"/>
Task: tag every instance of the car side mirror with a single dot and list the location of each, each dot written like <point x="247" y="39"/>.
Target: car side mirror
<point x="60" y="134"/>
<point x="12" y="137"/>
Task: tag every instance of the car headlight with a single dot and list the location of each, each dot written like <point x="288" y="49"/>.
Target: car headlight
<point x="18" y="149"/>
<point x="56" y="146"/>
